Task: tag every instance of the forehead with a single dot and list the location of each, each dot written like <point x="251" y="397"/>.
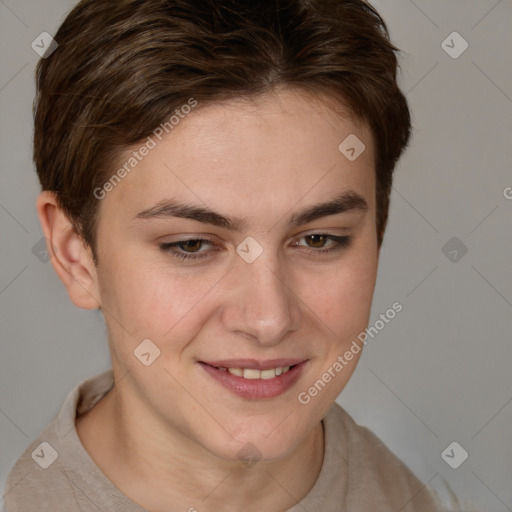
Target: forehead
<point x="297" y="123"/>
<point x="252" y="154"/>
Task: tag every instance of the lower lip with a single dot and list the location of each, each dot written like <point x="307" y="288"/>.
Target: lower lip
<point x="256" y="389"/>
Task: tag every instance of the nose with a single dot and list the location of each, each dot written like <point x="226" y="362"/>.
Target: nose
<point x="260" y="304"/>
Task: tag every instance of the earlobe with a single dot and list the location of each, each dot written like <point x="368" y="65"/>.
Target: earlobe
<point x="70" y="257"/>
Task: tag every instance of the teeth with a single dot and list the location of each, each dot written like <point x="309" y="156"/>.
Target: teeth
<point x="252" y="374"/>
<point x="267" y="374"/>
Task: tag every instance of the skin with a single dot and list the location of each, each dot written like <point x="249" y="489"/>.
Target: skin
<point x="168" y="435"/>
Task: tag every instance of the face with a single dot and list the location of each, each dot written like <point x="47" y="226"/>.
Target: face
<point x="245" y="240"/>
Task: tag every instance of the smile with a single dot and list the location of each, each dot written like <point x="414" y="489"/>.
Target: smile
<point x="251" y="373"/>
<point x="255" y="380"/>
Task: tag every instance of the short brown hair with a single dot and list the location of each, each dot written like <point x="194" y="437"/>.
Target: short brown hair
<point x="122" y="67"/>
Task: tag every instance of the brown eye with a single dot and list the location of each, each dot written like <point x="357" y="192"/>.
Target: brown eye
<point x="316" y="241"/>
<point x="191" y="245"/>
<point x="192" y="249"/>
<point x="322" y="243"/>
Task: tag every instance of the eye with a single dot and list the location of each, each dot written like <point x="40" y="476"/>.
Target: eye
<point x="318" y="242"/>
<point x="187" y="249"/>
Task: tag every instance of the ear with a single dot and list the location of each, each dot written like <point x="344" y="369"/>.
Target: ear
<point x="70" y="257"/>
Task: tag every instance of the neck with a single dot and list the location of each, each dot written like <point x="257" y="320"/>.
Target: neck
<point x="160" y="468"/>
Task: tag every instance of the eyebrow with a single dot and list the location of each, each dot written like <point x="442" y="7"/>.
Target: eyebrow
<point x="348" y="201"/>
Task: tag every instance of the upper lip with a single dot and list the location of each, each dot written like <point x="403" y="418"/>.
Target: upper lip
<point x="254" y="363"/>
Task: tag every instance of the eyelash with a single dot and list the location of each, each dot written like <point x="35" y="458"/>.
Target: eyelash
<point x="341" y="242"/>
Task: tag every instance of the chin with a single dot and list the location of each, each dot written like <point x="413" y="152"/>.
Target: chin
<point x="250" y="445"/>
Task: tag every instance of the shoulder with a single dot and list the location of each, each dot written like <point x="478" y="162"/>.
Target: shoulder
<point x="378" y="479"/>
<point x="44" y="477"/>
<point x="38" y="481"/>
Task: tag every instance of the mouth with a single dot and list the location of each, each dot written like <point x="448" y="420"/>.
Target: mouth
<point x="255" y="380"/>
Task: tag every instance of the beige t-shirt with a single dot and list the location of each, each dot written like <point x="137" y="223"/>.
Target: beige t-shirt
<point x="56" y="474"/>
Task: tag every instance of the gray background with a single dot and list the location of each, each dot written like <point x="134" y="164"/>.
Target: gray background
<point x="441" y="370"/>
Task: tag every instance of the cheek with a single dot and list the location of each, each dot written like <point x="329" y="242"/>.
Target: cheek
<point x="342" y="298"/>
<point x="151" y="299"/>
